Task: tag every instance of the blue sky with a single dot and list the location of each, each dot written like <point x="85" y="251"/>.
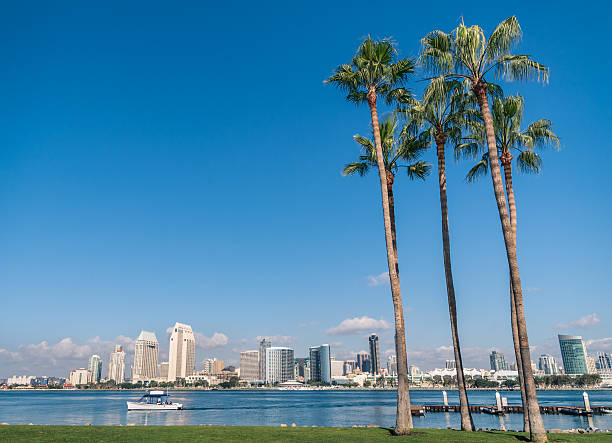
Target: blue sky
<point x="163" y="164"/>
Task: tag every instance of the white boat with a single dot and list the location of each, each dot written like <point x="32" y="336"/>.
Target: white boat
<point x="154" y="401"/>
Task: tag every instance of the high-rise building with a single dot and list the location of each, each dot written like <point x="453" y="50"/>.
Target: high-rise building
<point x="512" y="366"/>
<point x="364" y="362"/>
<point x="263" y="345"/>
<point x="320" y="364"/>
<point x="374" y="354"/>
<point x="116" y="365"/>
<point x="392" y="365"/>
<point x="337" y="368"/>
<point x="498" y="361"/>
<point x="163" y="369"/>
<point x="249" y="365"/>
<point x="146" y="351"/>
<point x="591" y="366"/>
<point x="300" y="368"/>
<point x="349" y="366"/>
<point x="548" y="364"/>
<point x="182" y="352"/>
<point x="573" y="353"/>
<point x="279" y="364"/>
<point x="80" y="376"/>
<point x="95" y="367"/>
<point x="603" y="363"/>
<point x="451" y="364"/>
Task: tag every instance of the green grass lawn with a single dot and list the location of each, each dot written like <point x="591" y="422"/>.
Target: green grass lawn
<point x="169" y="434"/>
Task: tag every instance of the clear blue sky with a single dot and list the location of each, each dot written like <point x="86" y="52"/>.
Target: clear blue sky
<point x="182" y="163"/>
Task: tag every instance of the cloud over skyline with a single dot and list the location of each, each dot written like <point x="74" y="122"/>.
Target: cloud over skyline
<point x="358" y="324"/>
<point x="584" y="322"/>
<point x="378" y="280"/>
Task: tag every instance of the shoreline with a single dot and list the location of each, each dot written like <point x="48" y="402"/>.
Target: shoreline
<point x="318" y="388"/>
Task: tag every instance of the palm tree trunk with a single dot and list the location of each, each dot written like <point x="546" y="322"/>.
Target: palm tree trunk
<point x="467" y="424"/>
<point x="390" y="181"/>
<point x="536" y="425"/>
<point x="403" y="418"/>
<point x="507" y="165"/>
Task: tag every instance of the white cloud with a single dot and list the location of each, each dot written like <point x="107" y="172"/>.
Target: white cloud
<point x="378" y="280"/>
<point x="600" y="344"/>
<point x="276" y="339"/>
<point x="217" y="340"/>
<point x="583" y="322"/>
<point x="358" y="324"/>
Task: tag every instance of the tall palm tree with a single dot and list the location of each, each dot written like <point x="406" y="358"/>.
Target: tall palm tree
<point x="375" y="70"/>
<point x="396" y="146"/>
<point x="445" y="111"/>
<point x="466" y="54"/>
<point x="507" y="119"/>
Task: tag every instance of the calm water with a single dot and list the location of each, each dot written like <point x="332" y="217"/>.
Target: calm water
<point x="271" y="408"/>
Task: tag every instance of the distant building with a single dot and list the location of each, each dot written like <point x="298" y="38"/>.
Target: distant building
<point x="249" y="365"/>
<point x="349" y="366"/>
<point x="212" y="366"/>
<point x="146" y="351"/>
<point x="279" y="364"/>
<point x="163" y="370"/>
<point x="450" y="364"/>
<point x="548" y="364"/>
<point x="498" y="361"/>
<point x="392" y="365"/>
<point x="95" y="367"/>
<point x="574" y="354"/>
<point x="591" y="367"/>
<point x="603" y="362"/>
<point x="20" y="380"/>
<point x="414" y="371"/>
<point x="374" y="354"/>
<point x="512" y="366"/>
<point x="337" y="368"/>
<point x="116" y="365"/>
<point x="263" y="345"/>
<point x="80" y="376"/>
<point x="320" y="364"/>
<point x="364" y="362"/>
<point x="181" y="361"/>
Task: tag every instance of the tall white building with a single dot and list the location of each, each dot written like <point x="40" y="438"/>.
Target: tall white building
<point x="116" y="365"/>
<point x="279" y="364"/>
<point x="145" y="357"/>
<point x="249" y="365"/>
<point x="163" y="370"/>
<point x="392" y="365"/>
<point x="548" y="364"/>
<point x="182" y="352"/>
<point x="337" y="367"/>
<point x="80" y="376"/>
<point x="20" y="380"/>
<point x="95" y="367"/>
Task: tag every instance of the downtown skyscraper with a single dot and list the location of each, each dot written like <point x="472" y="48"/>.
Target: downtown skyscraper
<point x="374" y="354"/>
<point x="116" y="365"/>
<point x="497" y="361"/>
<point x="263" y="345"/>
<point x="574" y="354"/>
<point x="181" y="362"/>
<point x="146" y="351"/>
<point x="320" y="364"/>
<point x="95" y="368"/>
<point x="279" y="364"/>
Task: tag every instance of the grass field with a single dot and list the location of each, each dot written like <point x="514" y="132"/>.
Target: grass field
<point x="168" y="434"/>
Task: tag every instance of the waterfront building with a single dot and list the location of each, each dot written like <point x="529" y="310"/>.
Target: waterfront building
<point x="279" y="364"/>
<point x="337" y="368"/>
<point x="414" y="371"/>
<point x="349" y="366"/>
<point x="374" y="354"/>
<point x="181" y="361"/>
<point x="603" y="362"/>
<point x="146" y="350"/>
<point x="320" y="364"/>
<point x="548" y="364"/>
<point x="95" y="367"/>
<point x="364" y="362"/>
<point x="392" y="365"/>
<point x="512" y="366"/>
<point x="162" y="370"/>
<point x="249" y="365"/>
<point x="80" y="376"/>
<point x="573" y="353"/>
<point x="591" y="367"/>
<point x="450" y="364"/>
<point x="498" y="361"/>
<point x="21" y="380"/>
<point x="307" y="370"/>
<point x="263" y="345"/>
<point x="213" y="366"/>
<point x="116" y="365"/>
<point x="314" y="353"/>
<point x="300" y="368"/>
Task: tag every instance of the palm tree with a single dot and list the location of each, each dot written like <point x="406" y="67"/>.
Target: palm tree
<point x="445" y="111"/>
<point x="507" y="118"/>
<point x="466" y="54"/>
<point x="374" y="71"/>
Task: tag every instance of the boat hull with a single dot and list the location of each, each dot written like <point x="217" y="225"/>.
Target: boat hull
<point x="136" y="406"/>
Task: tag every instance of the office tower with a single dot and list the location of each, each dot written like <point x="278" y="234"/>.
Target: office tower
<point x="218" y="366"/>
<point x="326" y="375"/>
<point x="591" y="366"/>
<point x="573" y="353"/>
<point x="413" y="371"/>
<point x="249" y="365"/>
<point x="182" y="352"/>
<point x="349" y="366"/>
<point x="603" y="363"/>
<point x="547" y="364"/>
<point x="512" y="366"/>
<point x="392" y="365"/>
<point x="80" y="376"/>
<point x="146" y="350"/>
<point x="374" y="354"/>
<point x="364" y="363"/>
<point x="451" y="364"/>
<point x="300" y="368"/>
<point x="279" y="364"/>
<point x="163" y="370"/>
<point x="307" y="370"/>
<point x="263" y="345"/>
<point x="337" y="368"/>
<point x="95" y="367"/>
<point x="498" y="361"/>
<point x="116" y="365"/>
<point x="315" y="363"/>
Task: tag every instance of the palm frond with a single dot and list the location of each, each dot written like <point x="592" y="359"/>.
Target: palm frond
<point x="360" y="168"/>
<point x="479" y="169"/>
<point x="520" y="68"/>
<point x="418" y="170"/>
<point x="529" y="162"/>
<point x="505" y="36"/>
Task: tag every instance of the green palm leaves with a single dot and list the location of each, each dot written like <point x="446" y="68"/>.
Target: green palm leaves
<point x="399" y="147"/>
